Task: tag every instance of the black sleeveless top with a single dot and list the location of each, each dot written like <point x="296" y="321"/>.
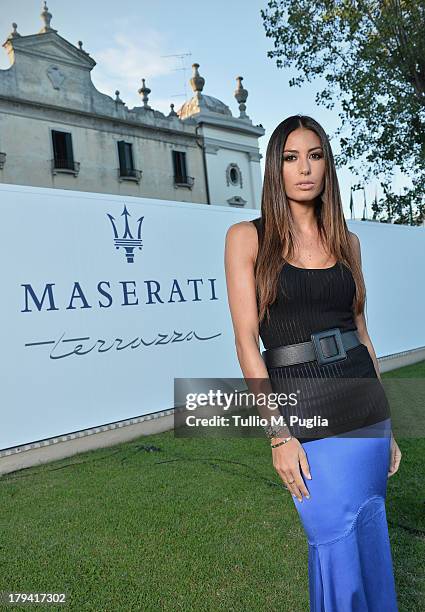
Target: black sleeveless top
<point x="307" y="301"/>
<point x="313" y="300"/>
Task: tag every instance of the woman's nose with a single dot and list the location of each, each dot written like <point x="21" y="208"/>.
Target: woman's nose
<point x="304" y="167"/>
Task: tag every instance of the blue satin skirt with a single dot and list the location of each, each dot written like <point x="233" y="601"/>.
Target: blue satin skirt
<point x="349" y="557"/>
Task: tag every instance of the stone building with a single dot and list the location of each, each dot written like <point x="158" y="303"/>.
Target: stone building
<point x="57" y="130"/>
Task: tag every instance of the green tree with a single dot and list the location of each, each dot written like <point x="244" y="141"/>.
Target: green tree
<point x="371" y="56"/>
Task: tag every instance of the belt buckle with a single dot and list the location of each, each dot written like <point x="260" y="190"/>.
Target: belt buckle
<point x="321" y="358"/>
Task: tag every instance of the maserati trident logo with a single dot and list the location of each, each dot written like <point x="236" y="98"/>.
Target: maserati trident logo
<point x="127" y="242"/>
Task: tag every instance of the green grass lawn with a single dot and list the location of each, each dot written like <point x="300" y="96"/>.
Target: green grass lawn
<point x="201" y="524"/>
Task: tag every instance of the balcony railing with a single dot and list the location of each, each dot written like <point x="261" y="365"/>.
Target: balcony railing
<point x="184" y="181"/>
<point x="129" y="174"/>
<point x="66" y="166"/>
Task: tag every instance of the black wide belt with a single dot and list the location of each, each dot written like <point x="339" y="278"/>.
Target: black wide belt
<point x="324" y="347"/>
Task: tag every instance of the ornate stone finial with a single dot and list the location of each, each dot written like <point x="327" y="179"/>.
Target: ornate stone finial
<point x="46" y="18"/>
<point x="144" y="92"/>
<point x="172" y="112"/>
<point x="117" y="97"/>
<point x="14" y="33"/>
<point x="197" y="82"/>
<point x="241" y="95"/>
<point x="80" y="46"/>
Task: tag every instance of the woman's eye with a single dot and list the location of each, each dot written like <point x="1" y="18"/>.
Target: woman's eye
<point x="313" y="155"/>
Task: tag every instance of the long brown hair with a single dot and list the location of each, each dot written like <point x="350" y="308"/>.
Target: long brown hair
<point x="277" y="237"/>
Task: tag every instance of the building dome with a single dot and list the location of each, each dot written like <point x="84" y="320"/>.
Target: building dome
<point x="201" y="102"/>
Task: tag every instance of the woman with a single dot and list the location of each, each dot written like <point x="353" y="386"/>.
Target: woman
<point x="294" y="277"/>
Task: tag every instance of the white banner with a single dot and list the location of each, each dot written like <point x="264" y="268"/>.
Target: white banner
<point x="105" y="299"/>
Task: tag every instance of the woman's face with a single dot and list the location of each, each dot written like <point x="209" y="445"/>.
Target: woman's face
<point x="303" y="165"/>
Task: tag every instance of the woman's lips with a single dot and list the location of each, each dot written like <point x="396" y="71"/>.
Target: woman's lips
<point x="305" y="186"/>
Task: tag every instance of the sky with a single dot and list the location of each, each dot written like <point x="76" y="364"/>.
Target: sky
<point x="159" y="41"/>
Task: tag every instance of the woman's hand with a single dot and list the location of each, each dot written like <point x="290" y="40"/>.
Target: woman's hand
<point x="286" y="461"/>
<point x="395" y="457"/>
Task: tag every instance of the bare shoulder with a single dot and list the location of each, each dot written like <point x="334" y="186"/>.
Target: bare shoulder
<point x="242" y="229"/>
<point x="355" y="243"/>
<point x="242" y="240"/>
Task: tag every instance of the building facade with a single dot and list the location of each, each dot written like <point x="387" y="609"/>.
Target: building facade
<point x="57" y="130"/>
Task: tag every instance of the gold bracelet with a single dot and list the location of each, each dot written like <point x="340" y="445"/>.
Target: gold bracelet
<point x="280" y="443"/>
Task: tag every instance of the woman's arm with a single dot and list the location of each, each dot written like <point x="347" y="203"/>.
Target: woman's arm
<point x="365" y="339"/>
<point x="359" y="319"/>
<point x="240" y="254"/>
<point x="241" y="250"/>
